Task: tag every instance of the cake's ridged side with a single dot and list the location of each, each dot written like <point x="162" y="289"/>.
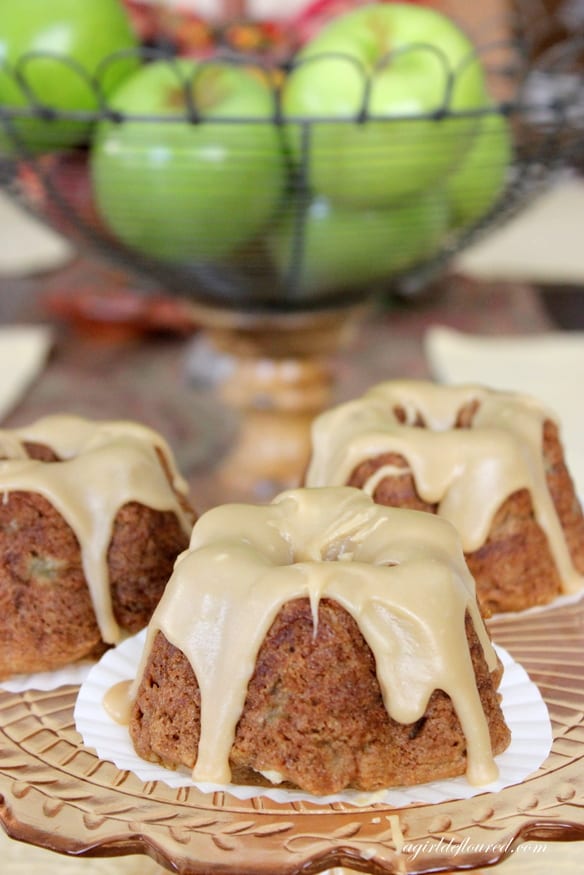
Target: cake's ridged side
<point x="165" y="722"/>
<point x="48" y="618"/>
<point x="514" y="569"/>
<point x="313" y="712"/>
<point x="561" y="487"/>
<point x="141" y="556"/>
<point x="40" y="452"/>
<point x="393" y="491"/>
<point x="46" y="609"/>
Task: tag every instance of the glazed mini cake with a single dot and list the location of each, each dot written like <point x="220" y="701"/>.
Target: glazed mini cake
<point x="490" y="462"/>
<point x="92" y="518"/>
<point x="321" y="642"/>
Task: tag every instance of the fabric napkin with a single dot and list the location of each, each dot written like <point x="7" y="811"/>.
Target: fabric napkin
<point x="27" y="245"/>
<point x="550" y="367"/>
<point x="23" y="352"/>
<point x="542" y="244"/>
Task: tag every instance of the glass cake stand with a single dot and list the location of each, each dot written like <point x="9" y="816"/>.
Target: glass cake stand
<point x="56" y="794"/>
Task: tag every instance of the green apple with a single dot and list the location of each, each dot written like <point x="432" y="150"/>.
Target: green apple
<point x="57" y="47"/>
<point x="403" y="65"/>
<point x="333" y="248"/>
<point x="474" y="186"/>
<point x="188" y="191"/>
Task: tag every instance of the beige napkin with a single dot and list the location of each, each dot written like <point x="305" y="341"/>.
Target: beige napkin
<point x="27" y="246"/>
<point x="23" y="352"/>
<point x="549" y="367"/>
<point x="543" y="243"/>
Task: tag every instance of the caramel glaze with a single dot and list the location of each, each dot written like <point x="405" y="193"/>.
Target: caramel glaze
<point x="400" y="573"/>
<point x="100" y="467"/>
<point x="468" y="472"/>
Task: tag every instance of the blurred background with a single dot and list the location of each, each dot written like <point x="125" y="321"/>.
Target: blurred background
<point x="217" y="177"/>
<point x="230" y="351"/>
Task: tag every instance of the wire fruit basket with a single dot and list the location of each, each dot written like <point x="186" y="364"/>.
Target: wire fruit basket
<point x="217" y="180"/>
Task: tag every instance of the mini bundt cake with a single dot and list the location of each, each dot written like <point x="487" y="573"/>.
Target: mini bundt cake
<point x="320" y="642"/>
<point x="490" y="462"/>
<point x="92" y="518"/>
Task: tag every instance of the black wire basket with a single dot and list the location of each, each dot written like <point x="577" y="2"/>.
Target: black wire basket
<point x="256" y="211"/>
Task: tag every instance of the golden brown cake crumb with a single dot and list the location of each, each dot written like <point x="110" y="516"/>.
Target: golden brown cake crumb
<point x="532" y="549"/>
<point x="313" y="712"/>
<point x="64" y="526"/>
<point x="321" y="642"/>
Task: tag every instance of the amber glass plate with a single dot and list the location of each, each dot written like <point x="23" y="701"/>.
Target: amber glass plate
<point x="57" y="794"/>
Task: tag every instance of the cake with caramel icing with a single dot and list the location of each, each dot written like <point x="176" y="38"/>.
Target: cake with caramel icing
<point x="490" y="462"/>
<point x="92" y="518"/>
<point x="321" y="642"/>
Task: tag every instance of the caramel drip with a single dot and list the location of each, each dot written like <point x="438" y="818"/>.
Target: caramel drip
<point x="467" y="472"/>
<point x="117" y="702"/>
<point x="104" y="466"/>
<point x="401" y="574"/>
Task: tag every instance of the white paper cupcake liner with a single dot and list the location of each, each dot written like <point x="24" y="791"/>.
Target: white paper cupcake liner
<point x="524" y="709"/>
<point x="73" y="674"/>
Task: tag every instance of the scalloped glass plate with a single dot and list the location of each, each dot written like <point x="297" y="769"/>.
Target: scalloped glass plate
<point x="57" y="794"/>
<point x="525" y="713"/>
